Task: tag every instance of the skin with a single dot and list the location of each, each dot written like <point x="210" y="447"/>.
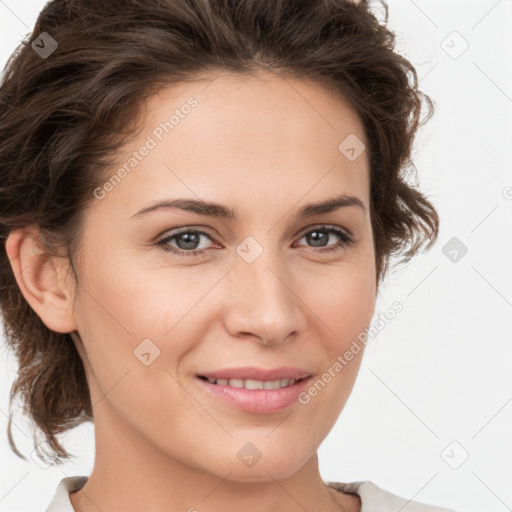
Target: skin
<point x="264" y="146"/>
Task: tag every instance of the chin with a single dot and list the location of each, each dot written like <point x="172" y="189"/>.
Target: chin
<point x="264" y="473"/>
<point x="272" y="464"/>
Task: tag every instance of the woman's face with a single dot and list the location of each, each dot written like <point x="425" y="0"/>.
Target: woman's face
<point x="271" y="294"/>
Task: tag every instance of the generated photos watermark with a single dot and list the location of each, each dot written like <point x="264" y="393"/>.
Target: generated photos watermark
<point x="164" y="128"/>
<point x="343" y="360"/>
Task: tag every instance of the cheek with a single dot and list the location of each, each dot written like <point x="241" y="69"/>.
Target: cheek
<point x="131" y="302"/>
<point x="343" y="299"/>
<point x="124" y="320"/>
<point x="343" y="310"/>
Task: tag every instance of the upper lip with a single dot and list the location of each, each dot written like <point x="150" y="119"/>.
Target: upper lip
<point x="252" y="372"/>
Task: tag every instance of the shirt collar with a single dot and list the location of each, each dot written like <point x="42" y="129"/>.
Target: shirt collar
<point x="60" y="501"/>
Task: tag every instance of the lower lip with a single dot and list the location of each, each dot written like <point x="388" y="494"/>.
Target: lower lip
<point x="260" y="401"/>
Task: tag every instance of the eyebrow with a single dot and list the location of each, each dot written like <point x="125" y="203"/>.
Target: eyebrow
<point x="220" y="211"/>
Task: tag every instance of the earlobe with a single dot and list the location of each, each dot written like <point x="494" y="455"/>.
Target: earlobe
<point x="41" y="279"/>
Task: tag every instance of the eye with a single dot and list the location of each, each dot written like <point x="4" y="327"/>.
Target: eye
<point x="188" y="240"/>
<point x="320" y="235"/>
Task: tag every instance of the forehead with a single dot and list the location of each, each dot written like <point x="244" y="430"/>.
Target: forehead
<point x="239" y="108"/>
<point x="257" y="137"/>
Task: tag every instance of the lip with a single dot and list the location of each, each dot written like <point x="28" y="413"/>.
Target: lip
<point x="252" y="372"/>
<point x="256" y="401"/>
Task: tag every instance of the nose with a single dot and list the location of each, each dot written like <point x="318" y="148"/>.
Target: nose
<point x="262" y="303"/>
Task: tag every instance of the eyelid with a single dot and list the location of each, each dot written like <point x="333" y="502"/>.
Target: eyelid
<point x="185" y="229"/>
<point x="180" y="229"/>
<point x="301" y="232"/>
<point x="346" y="239"/>
<point x="317" y="225"/>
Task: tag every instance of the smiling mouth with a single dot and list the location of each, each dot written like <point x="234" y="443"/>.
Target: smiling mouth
<point x="252" y="383"/>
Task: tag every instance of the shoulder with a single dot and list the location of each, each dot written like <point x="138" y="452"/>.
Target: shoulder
<point x="374" y="498"/>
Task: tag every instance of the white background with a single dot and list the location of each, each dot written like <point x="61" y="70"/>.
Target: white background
<point x="439" y="372"/>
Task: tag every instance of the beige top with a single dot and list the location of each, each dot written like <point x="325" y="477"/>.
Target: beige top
<point x="373" y="498"/>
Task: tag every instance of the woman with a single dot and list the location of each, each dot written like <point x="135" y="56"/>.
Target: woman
<point x="199" y="201"/>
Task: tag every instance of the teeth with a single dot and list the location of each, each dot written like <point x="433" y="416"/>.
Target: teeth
<point x="253" y="384"/>
<point x="236" y="383"/>
<point x="271" y="384"/>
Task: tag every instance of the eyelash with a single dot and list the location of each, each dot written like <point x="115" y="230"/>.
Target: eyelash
<point x="346" y="241"/>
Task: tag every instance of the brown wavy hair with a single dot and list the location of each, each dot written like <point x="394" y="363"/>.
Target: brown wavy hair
<point x="63" y="118"/>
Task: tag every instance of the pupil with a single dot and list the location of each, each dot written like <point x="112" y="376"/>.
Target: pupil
<point x="314" y="237"/>
<point x="189" y="238"/>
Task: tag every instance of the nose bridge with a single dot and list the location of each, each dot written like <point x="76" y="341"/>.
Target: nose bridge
<point x="263" y="303"/>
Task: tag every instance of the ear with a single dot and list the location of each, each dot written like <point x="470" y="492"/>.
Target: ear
<point x="41" y="279"/>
